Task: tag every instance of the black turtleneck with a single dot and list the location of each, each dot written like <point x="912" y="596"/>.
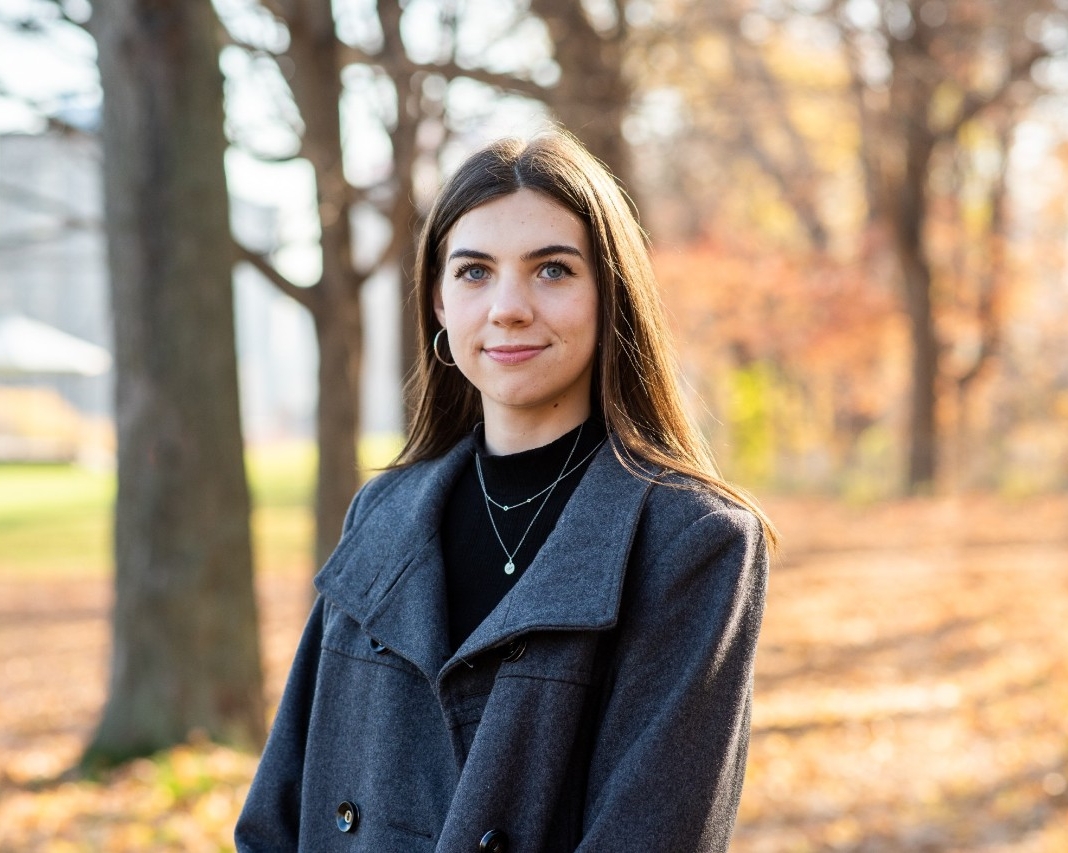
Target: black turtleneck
<point x="475" y="579"/>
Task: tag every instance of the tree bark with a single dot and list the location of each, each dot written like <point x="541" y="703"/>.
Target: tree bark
<point x="186" y="654"/>
<point x="337" y="327"/>
<point x="906" y="169"/>
<point x="335" y="302"/>
<point x="593" y="95"/>
<point x="405" y="217"/>
<point x="922" y="460"/>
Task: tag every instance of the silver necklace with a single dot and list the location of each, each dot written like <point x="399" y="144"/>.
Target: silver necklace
<point x="509" y="567"/>
<point x="564" y="476"/>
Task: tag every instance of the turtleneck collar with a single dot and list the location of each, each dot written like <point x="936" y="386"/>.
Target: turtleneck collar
<point x="518" y="475"/>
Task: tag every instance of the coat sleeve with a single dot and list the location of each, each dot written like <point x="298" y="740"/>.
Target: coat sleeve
<point x="270" y="818"/>
<point x="669" y="756"/>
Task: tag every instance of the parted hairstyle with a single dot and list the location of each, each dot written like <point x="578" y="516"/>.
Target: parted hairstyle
<point x="635" y="377"/>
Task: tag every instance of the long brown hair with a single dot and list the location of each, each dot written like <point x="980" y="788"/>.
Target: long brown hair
<point x="635" y="375"/>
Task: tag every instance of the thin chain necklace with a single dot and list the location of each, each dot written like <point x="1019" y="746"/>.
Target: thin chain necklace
<point x="564" y="476"/>
<point x="509" y="567"/>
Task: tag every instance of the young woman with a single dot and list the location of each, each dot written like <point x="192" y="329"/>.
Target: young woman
<point x="537" y="632"/>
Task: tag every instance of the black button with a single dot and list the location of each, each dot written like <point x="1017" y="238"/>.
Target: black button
<point x="494" y="841"/>
<point x="377" y="647"/>
<point x="348" y="816"/>
<point x="514" y="650"/>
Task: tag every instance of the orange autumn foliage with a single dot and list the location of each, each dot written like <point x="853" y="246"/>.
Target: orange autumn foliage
<point x="830" y="340"/>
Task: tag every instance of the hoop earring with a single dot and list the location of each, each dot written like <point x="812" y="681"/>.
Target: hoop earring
<point x="437" y="355"/>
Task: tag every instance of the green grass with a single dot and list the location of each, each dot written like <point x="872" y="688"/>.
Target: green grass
<point x="56" y="519"/>
<point x="282" y="476"/>
<point x="282" y="482"/>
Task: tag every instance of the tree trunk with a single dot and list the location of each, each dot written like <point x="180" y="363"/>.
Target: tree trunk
<point x="404" y="214"/>
<point x="922" y="427"/>
<point x="907" y="159"/>
<point x="186" y="654"/>
<point x="593" y="95"/>
<point x="316" y="85"/>
<point x="337" y="421"/>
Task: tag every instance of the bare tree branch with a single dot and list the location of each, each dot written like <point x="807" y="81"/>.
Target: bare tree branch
<point x="260" y="157"/>
<point x="976" y="102"/>
<point x="229" y="39"/>
<point x="397" y="64"/>
<point x="798" y="193"/>
<point x="306" y="296"/>
<point x="351" y="55"/>
<point x="504" y="82"/>
<point x="65" y="16"/>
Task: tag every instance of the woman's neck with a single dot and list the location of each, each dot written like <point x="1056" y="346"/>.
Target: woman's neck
<point x="514" y="433"/>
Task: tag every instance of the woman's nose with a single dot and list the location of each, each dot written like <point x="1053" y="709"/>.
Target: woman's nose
<point x="511" y="302"/>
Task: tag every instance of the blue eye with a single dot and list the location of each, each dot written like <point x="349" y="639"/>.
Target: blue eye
<point x="556" y="270"/>
<point x="472" y="272"/>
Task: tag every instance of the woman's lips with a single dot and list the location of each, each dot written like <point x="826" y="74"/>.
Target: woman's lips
<point x="513" y="354"/>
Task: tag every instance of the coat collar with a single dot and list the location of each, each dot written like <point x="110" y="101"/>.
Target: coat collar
<point x="387" y="571"/>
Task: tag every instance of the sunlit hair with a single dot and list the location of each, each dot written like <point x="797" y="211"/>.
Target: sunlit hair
<point x="635" y="382"/>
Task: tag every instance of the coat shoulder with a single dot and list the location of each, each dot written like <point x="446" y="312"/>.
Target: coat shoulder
<point x="385" y="481"/>
<point x="381" y="487"/>
<point x="677" y="502"/>
<point x="697" y="558"/>
<point x="691" y="537"/>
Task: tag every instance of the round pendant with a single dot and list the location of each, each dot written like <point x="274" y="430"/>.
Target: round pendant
<point x="509" y="568"/>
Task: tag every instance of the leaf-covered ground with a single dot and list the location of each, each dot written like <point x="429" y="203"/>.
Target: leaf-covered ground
<point x="911" y="695"/>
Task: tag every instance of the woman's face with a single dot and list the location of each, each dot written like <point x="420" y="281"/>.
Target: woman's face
<point x="518" y="299"/>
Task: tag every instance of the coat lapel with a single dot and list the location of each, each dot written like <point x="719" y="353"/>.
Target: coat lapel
<point x="576" y="579"/>
<point x="387" y="571"/>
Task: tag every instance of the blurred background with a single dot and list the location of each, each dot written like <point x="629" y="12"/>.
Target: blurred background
<point x="858" y="211"/>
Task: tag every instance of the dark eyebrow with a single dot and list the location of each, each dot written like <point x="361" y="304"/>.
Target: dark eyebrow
<point x="556" y="249"/>
<point x="471" y="253"/>
<point x="544" y="252"/>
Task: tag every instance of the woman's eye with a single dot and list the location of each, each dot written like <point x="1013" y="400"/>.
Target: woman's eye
<point x="472" y="272"/>
<point x="555" y="271"/>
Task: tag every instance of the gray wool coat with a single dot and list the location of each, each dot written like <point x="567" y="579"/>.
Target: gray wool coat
<point x="602" y="706"/>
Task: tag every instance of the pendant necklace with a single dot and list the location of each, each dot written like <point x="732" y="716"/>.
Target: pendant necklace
<point x="509" y="567"/>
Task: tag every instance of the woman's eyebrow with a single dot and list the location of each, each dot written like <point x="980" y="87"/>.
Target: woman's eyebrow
<point x="533" y="255"/>
<point x="555" y="249"/>
<point x="472" y="253"/>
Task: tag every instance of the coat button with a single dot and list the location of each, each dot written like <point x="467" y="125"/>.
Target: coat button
<point x="514" y="650"/>
<point x="348" y="816"/>
<point x="494" y="841"/>
<point x="377" y="647"/>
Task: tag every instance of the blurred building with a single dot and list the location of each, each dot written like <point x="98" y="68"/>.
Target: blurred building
<point x="53" y="269"/>
<point x="52" y="258"/>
